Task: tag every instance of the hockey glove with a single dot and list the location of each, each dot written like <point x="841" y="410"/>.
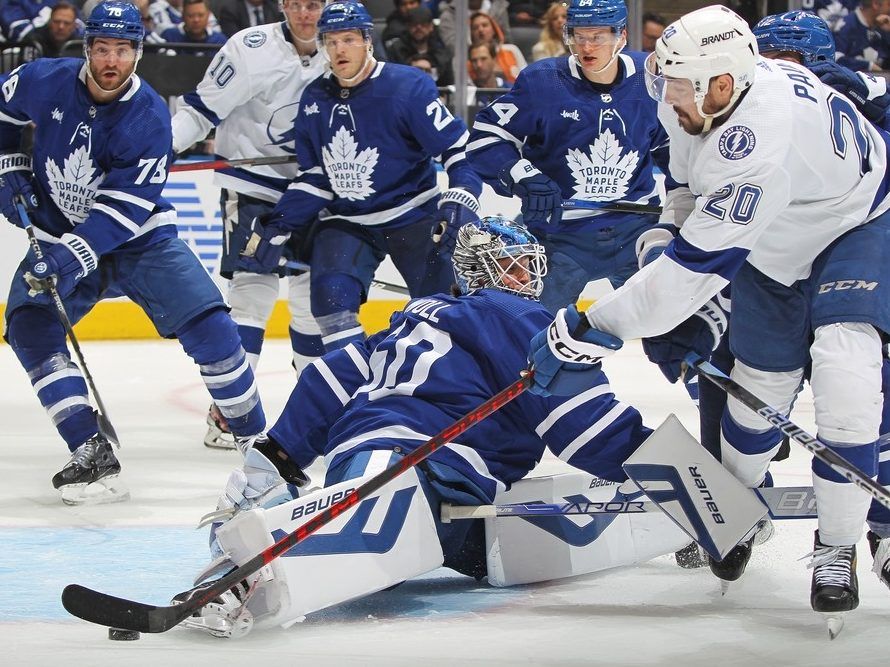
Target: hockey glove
<point x="565" y="361"/>
<point x="651" y="244"/>
<point x="852" y="85"/>
<point x="457" y="207"/>
<point x="263" y="247"/>
<point x="541" y="196"/>
<point x="700" y="333"/>
<point x="63" y="265"/>
<point x="15" y="183"/>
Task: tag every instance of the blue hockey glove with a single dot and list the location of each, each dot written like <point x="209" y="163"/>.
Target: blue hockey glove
<point x="852" y="85"/>
<point x="15" y="183"/>
<point x="541" y="196"/>
<point x="63" y="265"/>
<point x="457" y="207"/>
<point x="700" y="333"/>
<point x="565" y="365"/>
<point x="263" y="246"/>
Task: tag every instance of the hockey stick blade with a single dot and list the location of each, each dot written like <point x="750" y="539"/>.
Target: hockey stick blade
<point x="114" y="612"/>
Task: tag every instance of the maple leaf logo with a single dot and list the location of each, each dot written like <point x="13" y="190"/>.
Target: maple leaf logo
<point x="348" y="170"/>
<point x="604" y="174"/>
<point x="73" y="188"/>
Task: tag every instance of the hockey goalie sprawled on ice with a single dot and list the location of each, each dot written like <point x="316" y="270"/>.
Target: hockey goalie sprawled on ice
<point x="364" y="406"/>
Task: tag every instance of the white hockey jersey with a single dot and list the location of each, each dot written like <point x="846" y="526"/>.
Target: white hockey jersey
<point x="793" y="168"/>
<point x="251" y="92"/>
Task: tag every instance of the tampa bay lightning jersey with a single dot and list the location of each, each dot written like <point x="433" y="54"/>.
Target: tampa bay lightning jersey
<point x="366" y="152"/>
<point x="440" y="358"/>
<point x="99" y="169"/>
<point x="597" y="142"/>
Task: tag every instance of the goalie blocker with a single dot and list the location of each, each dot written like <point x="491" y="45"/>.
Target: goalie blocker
<point x="395" y="534"/>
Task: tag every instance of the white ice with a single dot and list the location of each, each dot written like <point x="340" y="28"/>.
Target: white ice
<point x="145" y="549"/>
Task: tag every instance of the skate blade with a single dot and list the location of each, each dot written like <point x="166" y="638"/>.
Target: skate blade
<point x="106" y="490"/>
<point x="834" y="621"/>
<point x="724" y="586"/>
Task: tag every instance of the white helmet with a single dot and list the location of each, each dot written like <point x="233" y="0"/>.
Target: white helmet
<point x="699" y="46"/>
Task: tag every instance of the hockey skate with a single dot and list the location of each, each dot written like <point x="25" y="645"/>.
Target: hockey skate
<point x="218" y="434"/>
<point x="732" y="567"/>
<point x="226" y="616"/>
<point x="835" y="588"/>
<point x="880" y="551"/>
<point x="91" y="476"/>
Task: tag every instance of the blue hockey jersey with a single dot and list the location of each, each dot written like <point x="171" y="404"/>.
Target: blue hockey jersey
<point x="599" y="143"/>
<point x="99" y="169"/>
<point x="366" y="152"/>
<point x="440" y="358"/>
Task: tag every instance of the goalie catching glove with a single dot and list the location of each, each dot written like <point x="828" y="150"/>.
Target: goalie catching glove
<point x="566" y="355"/>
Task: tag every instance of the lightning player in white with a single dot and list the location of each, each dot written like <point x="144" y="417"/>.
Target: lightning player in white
<point x="577" y="127"/>
<point x="791" y="205"/>
<point x="251" y="93"/>
<point x="366" y="136"/>
<point x="99" y="164"/>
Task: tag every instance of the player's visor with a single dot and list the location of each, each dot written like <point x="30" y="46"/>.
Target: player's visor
<point x="664" y="89"/>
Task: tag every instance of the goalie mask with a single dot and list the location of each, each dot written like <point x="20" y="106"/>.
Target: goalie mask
<point x="693" y="50"/>
<point x="798" y="32"/>
<point x="498" y="253"/>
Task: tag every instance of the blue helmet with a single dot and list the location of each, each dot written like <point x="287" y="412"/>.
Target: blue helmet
<point x="479" y="246"/>
<point x="798" y="32"/>
<point x="115" y="20"/>
<point x="596" y="14"/>
<point x="345" y="16"/>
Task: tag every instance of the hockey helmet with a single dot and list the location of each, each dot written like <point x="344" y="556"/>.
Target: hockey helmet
<point x="798" y="32"/>
<point x="115" y="20"/>
<point x="345" y="16"/>
<point x="490" y="252"/>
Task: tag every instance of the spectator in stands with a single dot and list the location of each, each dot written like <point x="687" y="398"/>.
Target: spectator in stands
<point x="482" y="57"/>
<point x="18" y="18"/>
<point x="235" y="15"/>
<point x="423" y="63"/>
<point x="194" y="27"/>
<point x="148" y="22"/>
<point x="420" y="36"/>
<point x="496" y="9"/>
<point x="653" y="26"/>
<point x="62" y="26"/>
<point x="509" y="60"/>
<point x="863" y="38"/>
<point x="528" y="12"/>
<point x="396" y="21"/>
<point x="550" y="44"/>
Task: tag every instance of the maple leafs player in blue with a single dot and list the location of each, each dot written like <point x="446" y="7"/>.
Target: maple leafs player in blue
<point x="370" y="402"/>
<point x="250" y="93"/>
<point x="101" y="149"/>
<point x="366" y="135"/>
<point x="577" y="127"/>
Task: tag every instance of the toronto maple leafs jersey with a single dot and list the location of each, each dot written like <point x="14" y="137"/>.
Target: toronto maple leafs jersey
<point x="366" y="152"/>
<point x="98" y="168"/>
<point x="793" y="168"/>
<point x="599" y="143"/>
<point x="440" y="358"/>
<point x="251" y="93"/>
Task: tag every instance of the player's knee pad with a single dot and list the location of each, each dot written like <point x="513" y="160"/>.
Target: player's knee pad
<point x="846" y="382"/>
<point x="777" y="389"/>
<point x="334" y="293"/>
<point x="252" y="297"/>
<point x="35" y="334"/>
<point x="522" y="551"/>
<point x="381" y="541"/>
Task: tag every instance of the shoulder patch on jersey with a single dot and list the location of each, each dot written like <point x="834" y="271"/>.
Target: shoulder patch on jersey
<point x="736" y="142"/>
<point x="254" y="39"/>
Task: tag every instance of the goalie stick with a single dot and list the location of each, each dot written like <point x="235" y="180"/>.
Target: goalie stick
<point x="225" y="164"/>
<point x="611" y="207"/>
<point x="788" y="502"/>
<point x="115" y="612"/>
<point x="104" y="423"/>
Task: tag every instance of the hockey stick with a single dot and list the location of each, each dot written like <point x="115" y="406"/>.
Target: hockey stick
<point x="789" y="502"/>
<point x="224" y="164"/>
<point x="610" y="207"/>
<point x="833" y="460"/>
<point x="390" y="287"/>
<point x="116" y="612"/>
<point x="105" y="427"/>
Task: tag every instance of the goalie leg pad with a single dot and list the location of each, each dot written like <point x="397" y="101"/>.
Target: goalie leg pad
<point x="382" y="541"/>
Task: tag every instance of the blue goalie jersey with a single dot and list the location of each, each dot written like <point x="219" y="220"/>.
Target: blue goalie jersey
<point x="366" y="152"/>
<point x="599" y="143"/>
<point x="440" y="359"/>
<point x="107" y="191"/>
